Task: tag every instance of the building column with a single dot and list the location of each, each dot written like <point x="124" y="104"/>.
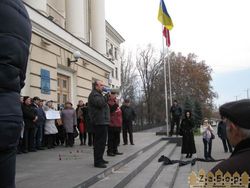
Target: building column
<point x="40" y="5"/>
<point x="76" y="13"/>
<point x="98" y="27"/>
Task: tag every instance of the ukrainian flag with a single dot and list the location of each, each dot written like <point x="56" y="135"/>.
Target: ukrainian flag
<point x="164" y="17"/>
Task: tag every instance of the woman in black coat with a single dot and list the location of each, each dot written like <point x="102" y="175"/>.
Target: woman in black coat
<point x="186" y="130"/>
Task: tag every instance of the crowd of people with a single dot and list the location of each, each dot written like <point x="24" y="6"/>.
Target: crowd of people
<point x="97" y="122"/>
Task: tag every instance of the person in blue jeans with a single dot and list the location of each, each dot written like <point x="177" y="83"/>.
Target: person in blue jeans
<point x="207" y="136"/>
<point x="15" y="36"/>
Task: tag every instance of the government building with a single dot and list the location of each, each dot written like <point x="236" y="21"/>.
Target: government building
<point x="72" y="45"/>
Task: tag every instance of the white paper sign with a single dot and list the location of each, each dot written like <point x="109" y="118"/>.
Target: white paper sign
<point x="52" y="114"/>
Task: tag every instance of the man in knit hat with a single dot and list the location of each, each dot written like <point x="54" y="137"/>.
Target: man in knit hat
<point x="237" y="119"/>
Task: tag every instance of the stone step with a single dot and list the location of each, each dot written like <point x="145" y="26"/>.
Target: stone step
<point x="121" y="177"/>
<point x="105" y="173"/>
<point x="149" y="174"/>
<point x="181" y="180"/>
<point x="167" y="177"/>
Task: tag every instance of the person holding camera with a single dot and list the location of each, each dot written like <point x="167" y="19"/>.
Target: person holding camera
<point x="207" y="137"/>
<point x="100" y="119"/>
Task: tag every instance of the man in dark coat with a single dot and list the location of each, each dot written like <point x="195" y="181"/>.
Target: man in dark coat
<point x="222" y="133"/>
<point x="176" y="113"/>
<point x="100" y="119"/>
<point x="39" y="125"/>
<point x="237" y="120"/>
<point x="89" y="126"/>
<point x="15" y="36"/>
<point x="128" y="116"/>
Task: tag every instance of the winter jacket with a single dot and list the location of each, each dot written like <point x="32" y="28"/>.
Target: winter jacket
<point x="15" y="36"/>
<point x="176" y="111"/>
<point x="221" y="131"/>
<point x="98" y="109"/>
<point x="29" y="114"/>
<point x="40" y="114"/>
<point x="238" y="161"/>
<point x="116" y="118"/>
<point x="128" y="113"/>
<point x="86" y="118"/>
<point x="69" y="120"/>
<point x="115" y="113"/>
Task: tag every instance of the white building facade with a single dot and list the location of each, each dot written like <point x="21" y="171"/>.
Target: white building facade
<point x="60" y="28"/>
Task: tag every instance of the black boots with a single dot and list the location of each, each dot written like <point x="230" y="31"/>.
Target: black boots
<point x="189" y="155"/>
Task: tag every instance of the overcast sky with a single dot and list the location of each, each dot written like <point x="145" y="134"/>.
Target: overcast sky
<point x="215" y="30"/>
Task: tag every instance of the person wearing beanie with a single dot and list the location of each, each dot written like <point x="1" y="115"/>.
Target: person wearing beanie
<point x="236" y="115"/>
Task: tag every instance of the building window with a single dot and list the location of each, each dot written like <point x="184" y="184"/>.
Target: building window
<point x="65" y="98"/>
<point x="112" y="73"/>
<point x="107" y="47"/>
<point x="111" y="50"/>
<point x="116" y="53"/>
<point x="64" y="84"/>
<point x="116" y="73"/>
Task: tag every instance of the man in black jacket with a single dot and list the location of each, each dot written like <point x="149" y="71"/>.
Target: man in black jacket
<point x="15" y="36"/>
<point x="100" y="119"/>
<point x="176" y="113"/>
<point x="222" y="133"/>
<point x="39" y="124"/>
<point x="238" y="131"/>
<point x="128" y="116"/>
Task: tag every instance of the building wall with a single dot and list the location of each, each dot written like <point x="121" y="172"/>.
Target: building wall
<point x="51" y="46"/>
<point x="53" y="58"/>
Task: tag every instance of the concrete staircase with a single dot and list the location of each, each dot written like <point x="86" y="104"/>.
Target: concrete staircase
<point x="140" y="169"/>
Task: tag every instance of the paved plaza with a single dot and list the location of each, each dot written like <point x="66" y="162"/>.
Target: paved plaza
<point x="68" y="167"/>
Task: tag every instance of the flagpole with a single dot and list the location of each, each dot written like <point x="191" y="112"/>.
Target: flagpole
<point x="165" y="84"/>
<point x="169" y="78"/>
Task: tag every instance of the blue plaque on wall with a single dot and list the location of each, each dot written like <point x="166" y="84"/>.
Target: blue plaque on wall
<point x="45" y="81"/>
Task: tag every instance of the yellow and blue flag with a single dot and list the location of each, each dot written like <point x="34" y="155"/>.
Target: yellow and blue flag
<point x="164" y="17"/>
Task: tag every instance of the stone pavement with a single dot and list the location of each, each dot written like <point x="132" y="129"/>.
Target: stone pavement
<point x="217" y="153"/>
<point x="67" y="167"/>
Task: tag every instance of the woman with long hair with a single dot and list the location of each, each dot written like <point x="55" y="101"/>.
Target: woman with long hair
<point x="186" y="130"/>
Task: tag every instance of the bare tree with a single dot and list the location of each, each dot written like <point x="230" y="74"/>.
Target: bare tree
<point x="149" y="68"/>
<point x="129" y="81"/>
